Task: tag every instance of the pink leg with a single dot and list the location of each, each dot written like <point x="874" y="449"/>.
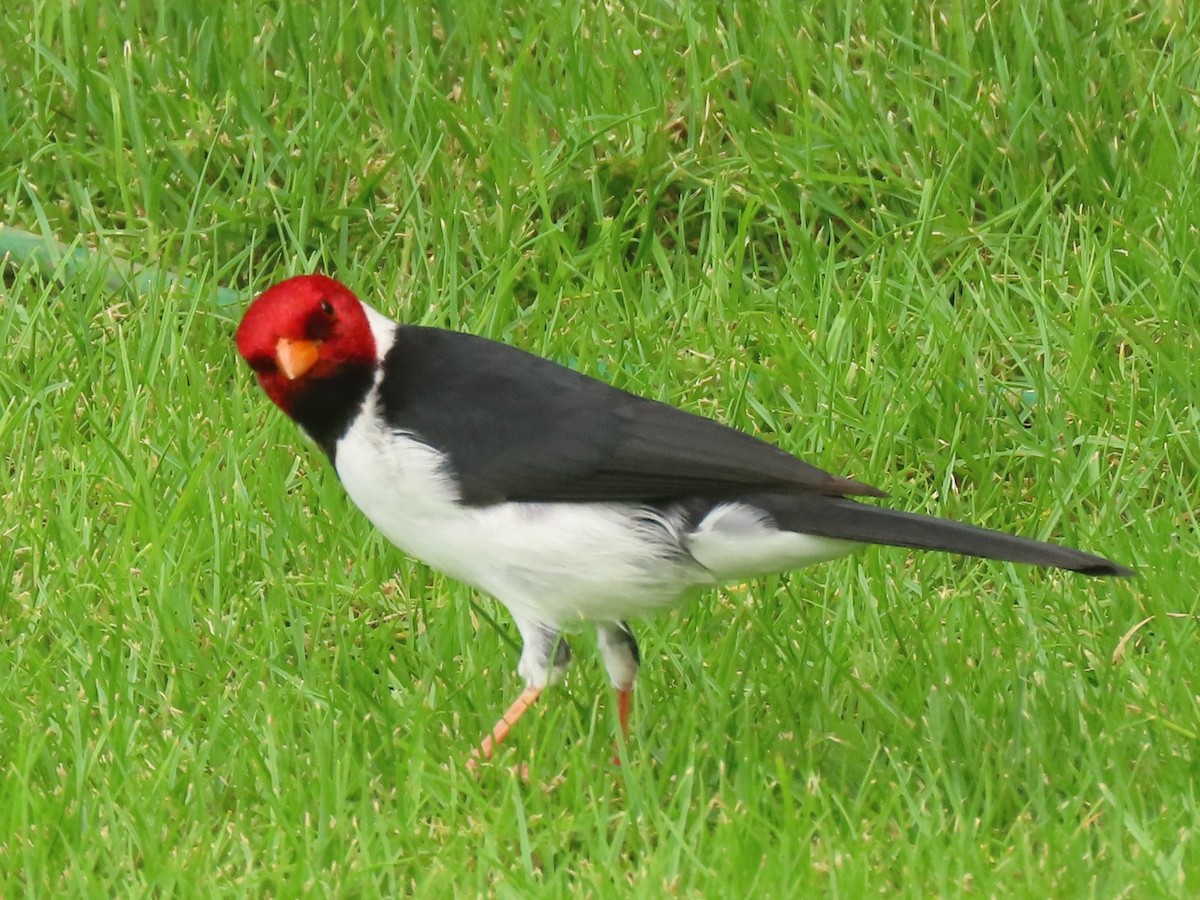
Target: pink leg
<point x="501" y="729"/>
<point x="624" y="707"/>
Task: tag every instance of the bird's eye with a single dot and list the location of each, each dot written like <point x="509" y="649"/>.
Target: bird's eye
<point x="327" y="307"/>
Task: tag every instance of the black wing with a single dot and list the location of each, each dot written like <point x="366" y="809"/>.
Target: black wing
<point x="519" y="427"/>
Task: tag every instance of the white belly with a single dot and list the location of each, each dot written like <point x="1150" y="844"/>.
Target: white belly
<point x="553" y="563"/>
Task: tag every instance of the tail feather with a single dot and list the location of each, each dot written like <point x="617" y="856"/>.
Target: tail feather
<point x="839" y="517"/>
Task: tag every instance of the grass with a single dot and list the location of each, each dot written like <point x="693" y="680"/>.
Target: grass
<point x="953" y="253"/>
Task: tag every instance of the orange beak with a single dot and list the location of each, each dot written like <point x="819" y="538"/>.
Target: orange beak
<point x="296" y="357"/>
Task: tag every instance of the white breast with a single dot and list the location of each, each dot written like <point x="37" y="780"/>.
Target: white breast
<point x="552" y="563"/>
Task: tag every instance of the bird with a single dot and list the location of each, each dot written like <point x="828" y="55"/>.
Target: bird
<point x="573" y="503"/>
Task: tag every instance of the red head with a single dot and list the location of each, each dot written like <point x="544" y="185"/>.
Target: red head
<point x="302" y="331"/>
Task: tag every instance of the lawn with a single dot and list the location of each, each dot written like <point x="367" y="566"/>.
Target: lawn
<point x="952" y="252"/>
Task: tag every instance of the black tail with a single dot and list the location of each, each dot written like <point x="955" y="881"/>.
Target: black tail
<point x="838" y="517"/>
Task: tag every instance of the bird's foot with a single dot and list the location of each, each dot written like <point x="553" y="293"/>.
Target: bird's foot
<point x="624" y="707"/>
<point x="503" y="726"/>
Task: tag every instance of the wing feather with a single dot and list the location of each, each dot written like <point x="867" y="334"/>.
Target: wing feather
<point x="519" y="427"/>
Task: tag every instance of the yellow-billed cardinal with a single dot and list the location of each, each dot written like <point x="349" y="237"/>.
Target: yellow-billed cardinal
<point x="568" y="500"/>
